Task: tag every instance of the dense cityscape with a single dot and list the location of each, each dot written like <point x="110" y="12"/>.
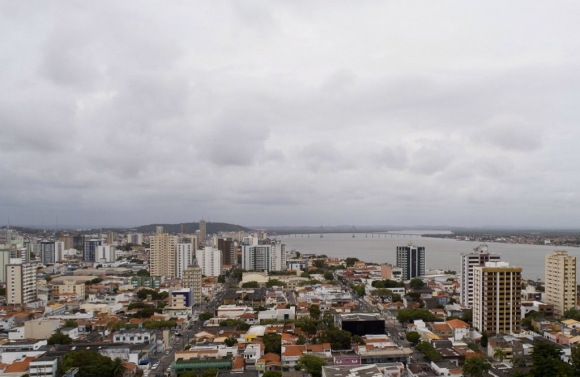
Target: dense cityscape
<point x="130" y="303"/>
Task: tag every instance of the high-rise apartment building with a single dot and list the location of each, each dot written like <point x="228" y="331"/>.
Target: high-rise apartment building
<point x="185" y="256"/>
<point x="497" y="298"/>
<point x="135" y="238"/>
<point x="411" y="259"/>
<point x="162" y="255"/>
<point x="479" y="256"/>
<point x="47" y="252"/>
<point x="20" y="282"/>
<point x="5" y="256"/>
<point x="90" y="249"/>
<point x="106" y="254"/>
<point x="210" y="261"/>
<point x="560" y="289"/>
<point x="192" y="280"/>
<point x="267" y="255"/>
<point x="202" y="232"/>
<point x="228" y="248"/>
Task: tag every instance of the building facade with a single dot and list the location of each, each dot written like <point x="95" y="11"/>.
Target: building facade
<point x="47" y="252"/>
<point x="202" y="232"/>
<point x="210" y="261"/>
<point x="263" y="255"/>
<point x="411" y="259"/>
<point x="479" y="257"/>
<point x="497" y="298"/>
<point x="90" y="250"/>
<point x="560" y="289"/>
<point x="20" y="282"/>
<point x="192" y="280"/>
<point x="163" y="255"/>
<point x="185" y="255"/>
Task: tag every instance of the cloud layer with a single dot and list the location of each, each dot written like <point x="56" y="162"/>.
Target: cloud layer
<point x="289" y="113"/>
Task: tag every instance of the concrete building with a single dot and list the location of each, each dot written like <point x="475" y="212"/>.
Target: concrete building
<point x="479" y="257"/>
<point x="135" y="238"/>
<point x="560" y="289"/>
<point x="202" y="232"/>
<point x="411" y="259"/>
<point x="47" y="252"/>
<point x="44" y="366"/>
<point x="40" y="329"/>
<point x="210" y="261"/>
<point x="263" y="255"/>
<point x="135" y="336"/>
<point x="163" y="254"/>
<point x="69" y="288"/>
<point x="497" y="298"/>
<point x="185" y="256"/>
<point x="5" y="256"/>
<point x="90" y="249"/>
<point x="192" y="279"/>
<point x="20" y="282"/>
<point x="228" y="248"/>
<point x="105" y="253"/>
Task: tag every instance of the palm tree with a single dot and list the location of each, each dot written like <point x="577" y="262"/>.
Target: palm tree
<point x="476" y="367"/>
<point x="499" y="354"/>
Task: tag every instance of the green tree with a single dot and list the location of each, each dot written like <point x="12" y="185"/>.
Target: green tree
<point x="231" y="341"/>
<point x="142" y="272"/>
<point x="428" y="350"/>
<point x="272" y="343"/>
<point x="251" y="284"/>
<point x="350" y="261"/>
<point x="312" y="364"/>
<point x="476" y="366"/>
<point x="71" y="323"/>
<point x="575" y="360"/>
<point x="275" y="283"/>
<point x="305" y="275"/>
<point x="91" y="364"/>
<point x="467" y="316"/>
<point x="209" y="373"/>
<point x="301" y="340"/>
<point x="382" y="293"/>
<point x="221" y="279"/>
<point x="308" y="325"/>
<point x="572" y="313"/>
<point x="338" y="339"/>
<point x="205" y="316"/>
<point x="59" y="338"/>
<point x="359" y="290"/>
<point x="499" y="354"/>
<point x="483" y="341"/>
<point x="413" y="337"/>
<point x="416" y="283"/>
<point x="272" y="373"/>
<point x="357" y="339"/>
<point x="318" y="263"/>
<point x="328" y="275"/>
<point x="314" y="311"/>
<point x="547" y="361"/>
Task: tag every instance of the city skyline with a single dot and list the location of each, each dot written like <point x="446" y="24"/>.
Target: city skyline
<point x="121" y="114"/>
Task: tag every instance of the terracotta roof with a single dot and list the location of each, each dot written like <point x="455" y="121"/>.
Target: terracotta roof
<point x="238" y="363"/>
<point x="20" y="366"/>
<point x="440" y="326"/>
<point x="294" y="351"/>
<point x="457" y="324"/>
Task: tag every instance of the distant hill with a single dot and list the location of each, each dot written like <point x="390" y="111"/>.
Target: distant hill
<point x="211" y="228"/>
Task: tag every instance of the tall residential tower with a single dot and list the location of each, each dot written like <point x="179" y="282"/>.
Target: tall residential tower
<point x="411" y="259"/>
<point x="560" y="282"/>
<point x="479" y="256"/>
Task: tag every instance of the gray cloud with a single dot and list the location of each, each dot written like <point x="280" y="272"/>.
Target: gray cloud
<point x="263" y="113"/>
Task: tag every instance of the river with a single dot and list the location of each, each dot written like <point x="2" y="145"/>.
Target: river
<point x="439" y="253"/>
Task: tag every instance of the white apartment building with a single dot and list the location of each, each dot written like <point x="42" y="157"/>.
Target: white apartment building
<point x="497" y="298"/>
<point x="210" y="260"/>
<point x="192" y="279"/>
<point x="106" y="254"/>
<point x="479" y="257"/>
<point x="263" y="257"/>
<point x="20" y="282"/>
<point x="163" y="254"/>
<point x="184" y="258"/>
<point x="560" y="289"/>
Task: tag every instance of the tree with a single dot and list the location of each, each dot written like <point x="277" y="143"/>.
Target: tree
<point x="338" y="339"/>
<point x="572" y="313"/>
<point x="59" y="338"/>
<point x="382" y="293"/>
<point x="231" y="341"/>
<point x="92" y="364"/>
<point x="359" y="290"/>
<point x="328" y="275"/>
<point x="209" y="373"/>
<point x="416" y="283"/>
<point x="314" y="311"/>
<point x="413" y="337"/>
<point x="275" y="283"/>
<point x="476" y="366"/>
<point x="142" y="272"/>
<point x="272" y="373"/>
<point x="308" y="326"/>
<point x="272" y="343"/>
<point x="483" y="340"/>
<point x="350" y="261"/>
<point x="251" y="284"/>
<point x="499" y="354"/>
<point x="71" y="323"/>
<point x="301" y="340"/>
<point x="318" y="263"/>
<point x="428" y="350"/>
<point x="547" y="362"/>
<point x="467" y="316"/>
<point x="205" y="316"/>
<point x="312" y="364"/>
<point x="575" y="360"/>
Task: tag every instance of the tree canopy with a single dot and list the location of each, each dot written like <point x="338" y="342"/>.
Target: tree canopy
<point x="92" y="364"/>
<point x="476" y="366"/>
<point x="59" y="338"/>
<point x="272" y="343"/>
<point x="413" y="337"/>
<point x="547" y="361"/>
<point x="416" y="283"/>
<point x="251" y="284"/>
<point x="312" y="364"/>
<point x="409" y="315"/>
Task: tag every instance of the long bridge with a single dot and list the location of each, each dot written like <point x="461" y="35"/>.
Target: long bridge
<point x="355" y="235"/>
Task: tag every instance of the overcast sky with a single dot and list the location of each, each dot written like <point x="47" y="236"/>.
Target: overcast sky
<point x="290" y="113"/>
